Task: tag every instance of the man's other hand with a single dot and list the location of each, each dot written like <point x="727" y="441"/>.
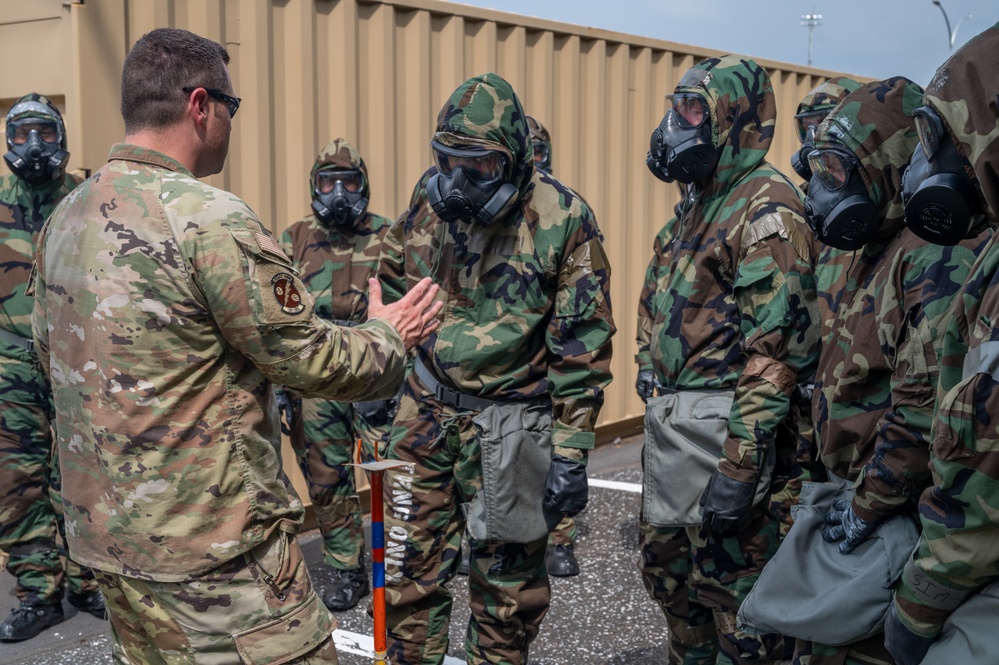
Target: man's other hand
<point x="413" y="316"/>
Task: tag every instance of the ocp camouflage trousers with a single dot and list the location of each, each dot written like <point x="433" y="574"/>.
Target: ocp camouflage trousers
<point x="257" y="608"/>
<point x="508" y="585"/>
<point x="30" y="503"/>
<point x="324" y="437"/>
<point x="700" y="579"/>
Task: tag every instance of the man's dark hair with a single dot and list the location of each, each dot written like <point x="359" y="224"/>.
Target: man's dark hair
<point x="159" y="65"/>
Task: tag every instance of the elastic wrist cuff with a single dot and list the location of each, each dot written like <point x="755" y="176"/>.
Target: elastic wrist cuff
<point x="735" y="472"/>
<point x="920" y="588"/>
<point x="574" y="454"/>
<point x="563" y="436"/>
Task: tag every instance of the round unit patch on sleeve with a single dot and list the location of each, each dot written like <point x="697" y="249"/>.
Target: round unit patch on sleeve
<point x="287" y="294"/>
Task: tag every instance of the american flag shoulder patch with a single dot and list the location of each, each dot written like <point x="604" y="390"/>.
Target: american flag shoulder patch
<point x="267" y="243"/>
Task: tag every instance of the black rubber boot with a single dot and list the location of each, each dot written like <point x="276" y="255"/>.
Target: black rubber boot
<point x="560" y="561"/>
<point x="92" y="602"/>
<point x="30" y="619"/>
<point x="349" y="586"/>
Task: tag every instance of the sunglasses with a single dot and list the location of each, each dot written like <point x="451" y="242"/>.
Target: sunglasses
<point x="232" y="103"/>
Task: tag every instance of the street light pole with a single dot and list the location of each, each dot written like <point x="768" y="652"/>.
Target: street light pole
<point x="810" y="21"/>
<point x="951" y="35"/>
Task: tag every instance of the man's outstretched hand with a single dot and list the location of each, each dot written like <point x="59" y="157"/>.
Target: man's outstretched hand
<point x="413" y="316"/>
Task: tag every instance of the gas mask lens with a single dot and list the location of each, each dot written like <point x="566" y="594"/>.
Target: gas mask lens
<point x="832" y="168"/>
<point x="19" y="131"/>
<point x="807" y="123"/>
<point x="691" y="109"/>
<point x="325" y="181"/>
<point x="930" y="129"/>
<point x="480" y="165"/>
<point x="540" y="153"/>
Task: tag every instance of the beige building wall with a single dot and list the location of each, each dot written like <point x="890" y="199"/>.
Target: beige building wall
<point x="376" y="73"/>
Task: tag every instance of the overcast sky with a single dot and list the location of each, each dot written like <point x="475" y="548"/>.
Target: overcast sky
<point x="876" y="38"/>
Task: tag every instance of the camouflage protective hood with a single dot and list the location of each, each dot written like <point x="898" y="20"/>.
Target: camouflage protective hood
<point x="875" y="124"/>
<point x="340" y="154"/>
<point x="485" y="111"/>
<point x="34" y="105"/>
<point x="538" y="132"/>
<point x="827" y="95"/>
<point x="740" y="98"/>
<point x="965" y="92"/>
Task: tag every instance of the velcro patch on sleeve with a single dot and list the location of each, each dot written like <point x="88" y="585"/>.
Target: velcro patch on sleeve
<point x="279" y="296"/>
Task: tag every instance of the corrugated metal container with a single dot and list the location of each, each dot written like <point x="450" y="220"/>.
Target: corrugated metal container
<point x="376" y="73"/>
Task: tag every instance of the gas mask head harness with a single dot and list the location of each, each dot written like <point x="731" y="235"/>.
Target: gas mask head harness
<point x="681" y="148"/>
<point x="941" y="205"/>
<point x="471" y="183"/>
<point x="36" y="142"/>
<point x="838" y="208"/>
<point x="806" y="123"/>
<point x="337" y="197"/>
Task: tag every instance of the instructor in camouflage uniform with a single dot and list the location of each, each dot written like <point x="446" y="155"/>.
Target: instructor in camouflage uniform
<point x="29" y="481"/>
<point x="498" y="414"/>
<point x="736" y="311"/>
<point x="164" y="311"/>
<point x="335" y="251"/>
<point x="945" y="606"/>
<point x="877" y="377"/>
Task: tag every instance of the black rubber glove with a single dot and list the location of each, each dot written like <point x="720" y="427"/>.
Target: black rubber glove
<point x="375" y="413"/>
<point x="725" y="502"/>
<point x="645" y="386"/>
<point x="285" y="413"/>
<point x="846" y="526"/>
<point x="905" y="646"/>
<point x="566" y="489"/>
<point x="803" y="395"/>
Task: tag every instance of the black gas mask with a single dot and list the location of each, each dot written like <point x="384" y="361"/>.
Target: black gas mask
<point x="838" y="208"/>
<point x="337" y="197"/>
<point x="680" y="148"/>
<point x="470" y="184"/>
<point x="35" y="142"/>
<point x="939" y="196"/>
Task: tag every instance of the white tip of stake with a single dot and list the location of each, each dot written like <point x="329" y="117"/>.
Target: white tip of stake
<point x="383" y="464"/>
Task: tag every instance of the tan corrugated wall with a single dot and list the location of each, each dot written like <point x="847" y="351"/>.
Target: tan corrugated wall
<point x="376" y="73"/>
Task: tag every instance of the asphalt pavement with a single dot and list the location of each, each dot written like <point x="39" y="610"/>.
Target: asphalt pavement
<point x="601" y="617"/>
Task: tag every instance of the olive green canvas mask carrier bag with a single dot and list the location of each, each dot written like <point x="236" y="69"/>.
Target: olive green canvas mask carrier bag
<point x="685" y="434"/>
<point x="516" y="442"/>
<point x="810" y="591"/>
<point x="515" y="438"/>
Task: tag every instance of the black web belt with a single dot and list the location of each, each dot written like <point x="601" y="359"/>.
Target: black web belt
<point x="448" y="395"/>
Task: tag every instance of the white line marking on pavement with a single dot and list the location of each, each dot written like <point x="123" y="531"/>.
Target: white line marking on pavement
<point x="364" y="645"/>
<point x="616" y="485"/>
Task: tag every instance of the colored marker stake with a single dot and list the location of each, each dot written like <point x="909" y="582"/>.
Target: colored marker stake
<point x="376" y="470"/>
